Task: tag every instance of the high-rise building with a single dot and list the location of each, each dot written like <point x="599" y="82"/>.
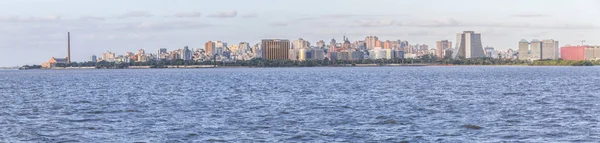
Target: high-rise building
<point x="275" y="49"/>
<point x="321" y="44"/>
<point x="371" y="42"/>
<point x="108" y="56"/>
<point x="388" y="44"/>
<point x="244" y="47"/>
<point x="94" y="59"/>
<point x="186" y="53"/>
<point x="220" y="47"/>
<point x="550" y="49"/>
<point x="523" y="50"/>
<point x="293" y="54"/>
<point x="441" y="47"/>
<point x="141" y="56"/>
<point x="378" y="43"/>
<point x="468" y="45"/>
<point x="490" y="52"/>
<point x="404" y="45"/>
<point x="318" y="54"/>
<point x="300" y="43"/>
<point x="209" y="48"/>
<point x="536" y="49"/>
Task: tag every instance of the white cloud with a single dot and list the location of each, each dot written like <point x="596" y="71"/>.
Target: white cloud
<point x="135" y="14"/>
<point x="227" y="14"/>
<point x="93" y="18"/>
<point x="187" y="15"/>
<point x="279" y="24"/>
<point x="47" y="18"/>
<point x="251" y="15"/>
<point x="373" y="23"/>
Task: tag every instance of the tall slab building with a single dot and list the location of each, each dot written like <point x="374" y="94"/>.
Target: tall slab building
<point x="523" y="50"/>
<point x="468" y="45"/>
<point x="546" y="49"/>
<point x="275" y="49"/>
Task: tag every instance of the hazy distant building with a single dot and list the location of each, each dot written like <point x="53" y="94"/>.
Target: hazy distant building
<point x="293" y="54"/>
<point x="300" y="43"/>
<point x="108" y="56"/>
<point x="536" y="49"/>
<point x="579" y="53"/>
<point x="244" y="47"/>
<point x="209" y="48"/>
<point x="372" y="42"/>
<point x="550" y="49"/>
<point x="318" y="54"/>
<point x="490" y="52"/>
<point x="468" y="45"/>
<point x="94" y="58"/>
<point x="523" y="50"/>
<point x="441" y="46"/>
<point x="55" y="61"/>
<point x="275" y="49"/>
<point x="186" y="53"/>
<point x="547" y="49"/>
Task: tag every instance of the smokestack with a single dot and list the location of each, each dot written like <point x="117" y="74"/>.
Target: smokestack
<point x="69" y="47"/>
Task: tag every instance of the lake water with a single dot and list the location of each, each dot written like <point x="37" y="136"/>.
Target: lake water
<point x="370" y="104"/>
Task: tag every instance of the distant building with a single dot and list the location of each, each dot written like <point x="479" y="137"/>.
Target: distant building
<point x="320" y="44"/>
<point x="141" y="56"/>
<point x="209" y="48"/>
<point x="318" y="54"/>
<point x="186" y="53"/>
<point x="441" y="46"/>
<point x="379" y="53"/>
<point x="94" y="59"/>
<point x="550" y="49"/>
<point x="293" y="54"/>
<point x="243" y="48"/>
<point x="275" y="49"/>
<point x="468" y="45"/>
<point x="579" y="53"/>
<point x="300" y="43"/>
<point x="523" y="50"/>
<point x="546" y="49"/>
<point x="536" y="49"/>
<point x="108" y="56"/>
<point x="54" y="61"/>
<point x="372" y="42"/>
<point x="490" y="52"/>
<point x="162" y="54"/>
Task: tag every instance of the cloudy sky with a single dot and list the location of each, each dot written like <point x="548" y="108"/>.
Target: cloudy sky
<point x="32" y="31"/>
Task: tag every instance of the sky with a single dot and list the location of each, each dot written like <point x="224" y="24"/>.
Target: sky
<point x="33" y="31"/>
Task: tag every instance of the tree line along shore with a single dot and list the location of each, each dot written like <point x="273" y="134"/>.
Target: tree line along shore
<point x="315" y="63"/>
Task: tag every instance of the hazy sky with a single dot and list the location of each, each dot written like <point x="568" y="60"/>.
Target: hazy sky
<point x="32" y="31"/>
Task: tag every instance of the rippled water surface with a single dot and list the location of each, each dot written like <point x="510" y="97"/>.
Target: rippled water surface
<point x="376" y="104"/>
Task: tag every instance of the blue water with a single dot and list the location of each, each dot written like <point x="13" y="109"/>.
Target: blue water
<point x="372" y="104"/>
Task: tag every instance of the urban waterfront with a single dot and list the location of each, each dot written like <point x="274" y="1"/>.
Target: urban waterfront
<point x="318" y="104"/>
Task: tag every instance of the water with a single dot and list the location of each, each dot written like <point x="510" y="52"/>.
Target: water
<point x="375" y="104"/>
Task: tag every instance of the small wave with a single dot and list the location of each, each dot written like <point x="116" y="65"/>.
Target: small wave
<point x="215" y="140"/>
<point x="84" y="120"/>
<point x="388" y="122"/>
<point x="474" y="127"/>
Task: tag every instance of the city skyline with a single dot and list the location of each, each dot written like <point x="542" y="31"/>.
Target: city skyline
<point x="31" y="37"/>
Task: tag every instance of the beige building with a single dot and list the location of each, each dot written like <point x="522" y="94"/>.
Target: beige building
<point x="550" y="49"/>
<point x="523" y="50"/>
<point x="535" y="49"/>
<point x="441" y="47"/>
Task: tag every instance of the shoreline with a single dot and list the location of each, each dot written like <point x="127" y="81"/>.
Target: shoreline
<point x="336" y="66"/>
